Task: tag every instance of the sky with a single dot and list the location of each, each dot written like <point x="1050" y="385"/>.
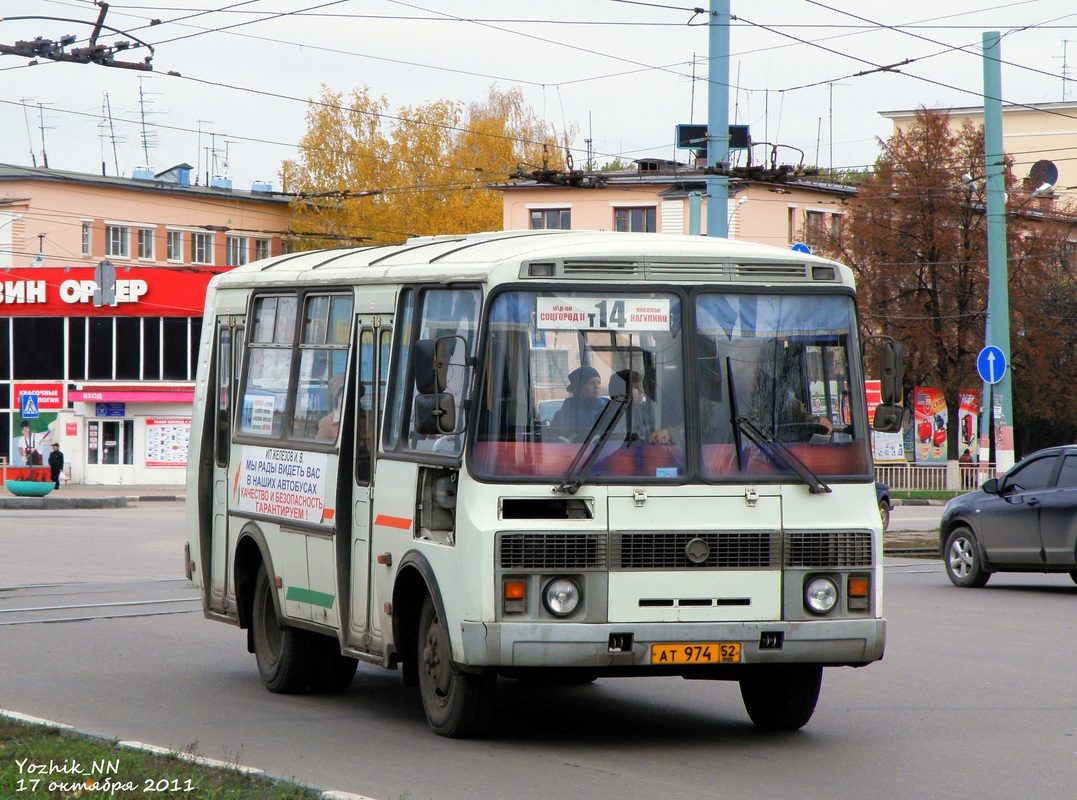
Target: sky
<point x="231" y="79"/>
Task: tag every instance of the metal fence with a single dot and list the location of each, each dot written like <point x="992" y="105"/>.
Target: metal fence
<point x="949" y="477"/>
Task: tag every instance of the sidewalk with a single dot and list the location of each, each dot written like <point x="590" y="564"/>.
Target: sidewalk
<point x="81" y="495"/>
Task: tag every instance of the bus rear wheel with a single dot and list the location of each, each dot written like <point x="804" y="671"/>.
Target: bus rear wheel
<point x="781" y="697"/>
<point x="283" y="654"/>
<point x="456" y="703"/>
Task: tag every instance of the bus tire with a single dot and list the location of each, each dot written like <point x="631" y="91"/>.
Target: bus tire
<point x="456" y="703"/>
<point x="331" y="672"/>
<point x="283" y="654"/>
<point x="781" y="697"/>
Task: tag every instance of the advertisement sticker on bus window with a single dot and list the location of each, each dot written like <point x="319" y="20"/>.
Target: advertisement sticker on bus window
<point x="602" y="313"/>
<point x="282" y="483"/>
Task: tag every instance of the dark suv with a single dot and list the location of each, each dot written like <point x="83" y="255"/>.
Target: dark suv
<point x="1025" y="521"/>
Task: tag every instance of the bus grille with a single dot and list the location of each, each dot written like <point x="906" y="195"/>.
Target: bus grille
<point x="840" y="549"/>
<point x="548" y="551"/>
<point x="694" y="550"/>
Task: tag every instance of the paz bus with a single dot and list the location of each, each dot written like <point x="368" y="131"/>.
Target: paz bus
<point x="539" y="455"/>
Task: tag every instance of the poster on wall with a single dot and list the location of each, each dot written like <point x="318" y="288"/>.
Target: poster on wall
<point x="886" y="447"/>
<point x="929" y="425"/>
<point x="166" y="442"/>
<point x="968" y="422"/>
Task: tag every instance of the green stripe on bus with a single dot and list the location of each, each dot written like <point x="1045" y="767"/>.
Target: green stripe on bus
<point x="301" y="595"/>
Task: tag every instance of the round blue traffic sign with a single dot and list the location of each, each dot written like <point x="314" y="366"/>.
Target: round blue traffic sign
<point x="991" y="364"/>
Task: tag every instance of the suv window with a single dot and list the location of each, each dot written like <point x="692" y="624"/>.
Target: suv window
<point x="1067" y="476"/>
<point x="1033" y="475"/>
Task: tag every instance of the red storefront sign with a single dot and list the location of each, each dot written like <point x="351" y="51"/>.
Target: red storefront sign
<point x="140" y="292"/>
<point x="50" y="396"/>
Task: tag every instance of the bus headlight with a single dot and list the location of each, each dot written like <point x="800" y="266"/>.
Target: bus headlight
<point x="561" y="597"/>
<point x="820" y="595"/>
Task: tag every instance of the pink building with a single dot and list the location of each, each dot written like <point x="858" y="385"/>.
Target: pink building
<point x="660" y="197"/>
<point x="112" y="382"/>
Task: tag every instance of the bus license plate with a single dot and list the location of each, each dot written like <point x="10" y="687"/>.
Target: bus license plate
<point x="696" y="653"/>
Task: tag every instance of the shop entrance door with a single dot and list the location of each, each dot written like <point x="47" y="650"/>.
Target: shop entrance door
<point x="110" y="451"/>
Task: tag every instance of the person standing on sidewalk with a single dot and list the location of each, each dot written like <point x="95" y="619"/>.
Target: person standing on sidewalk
<point x="56" y="464"/>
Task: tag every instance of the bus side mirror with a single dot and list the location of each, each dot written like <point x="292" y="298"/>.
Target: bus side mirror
<point x="892" y="371"/>
<point x="889" y="414"/>
<point x="431" y="365"/>
<point x="435" y="413"/>
<point x="888" y="417"/>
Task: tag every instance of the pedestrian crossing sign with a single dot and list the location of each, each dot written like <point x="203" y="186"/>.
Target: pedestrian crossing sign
<point x="28" y="406"/>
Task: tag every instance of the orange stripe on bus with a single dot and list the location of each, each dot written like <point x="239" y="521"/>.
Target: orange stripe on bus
<point x="392" y="522"/>
<point x="328" y="513"/>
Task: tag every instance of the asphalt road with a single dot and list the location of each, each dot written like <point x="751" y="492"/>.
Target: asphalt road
<point x="975" y="697"/>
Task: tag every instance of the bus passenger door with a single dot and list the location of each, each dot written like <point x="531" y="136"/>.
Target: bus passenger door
<point x="227" y="342"/>
<point x="371" y="370"/>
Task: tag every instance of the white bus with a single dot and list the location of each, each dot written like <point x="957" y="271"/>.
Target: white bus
<point x="539" y="455"/>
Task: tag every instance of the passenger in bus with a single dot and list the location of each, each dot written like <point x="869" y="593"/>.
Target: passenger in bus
<point x="329" y="425"/>
<point x="582" y="409"/>
<point x="638" y="419"/>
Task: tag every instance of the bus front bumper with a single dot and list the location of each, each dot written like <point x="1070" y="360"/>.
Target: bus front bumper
<point x="609" y="646"/>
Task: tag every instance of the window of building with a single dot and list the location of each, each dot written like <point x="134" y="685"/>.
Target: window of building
<point x="201" y="248"/>
<point x="174" y="245"/>
<point x="551" y="219"/>
<point x="117" y="241"/>
<point x="145" y="244"/>
<point x="791" y="225"/>
<point x="261" y="249"/>
<point x="87" y="238"/>
<point x="236" y="250"/>
<point x="815" y="232"/>
<point x="642" y="220"/>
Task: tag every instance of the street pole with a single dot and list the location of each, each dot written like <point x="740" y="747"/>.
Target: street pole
<point x="718" y="120"/>
<point x="998" y="300"/>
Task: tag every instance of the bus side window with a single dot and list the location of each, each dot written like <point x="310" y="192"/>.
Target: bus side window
<point x="224" y="373"/>
<point x="364" y="413"/>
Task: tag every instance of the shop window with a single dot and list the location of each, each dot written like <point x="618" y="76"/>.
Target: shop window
<point x="5" y="351"/>
<point x="40" y="351"/>
<point x="151" y="349"/>
<point x="128" y="348"/>
<point x="76" y="349"/>
<point x="100" y="349"/>
<point x="176" y="351"/>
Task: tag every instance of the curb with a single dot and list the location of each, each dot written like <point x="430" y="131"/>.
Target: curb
<point x="68" y="503"/>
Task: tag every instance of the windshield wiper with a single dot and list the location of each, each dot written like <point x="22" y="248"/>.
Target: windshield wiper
<point x="581" y="466"/>
<point x="777" y="451"/>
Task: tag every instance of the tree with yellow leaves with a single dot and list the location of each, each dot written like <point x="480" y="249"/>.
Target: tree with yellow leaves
<point x="364" y="175"/>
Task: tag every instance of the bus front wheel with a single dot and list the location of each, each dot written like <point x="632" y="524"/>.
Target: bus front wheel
<point x="781" y="697"/>
<point x="456" y="703"/>
<point x="282" y="653"/>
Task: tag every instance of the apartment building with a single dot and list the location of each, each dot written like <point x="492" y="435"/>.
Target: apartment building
<point x="111" y="379"/>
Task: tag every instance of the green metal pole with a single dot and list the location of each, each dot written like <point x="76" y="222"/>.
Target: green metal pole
<point x="998" y="301"/>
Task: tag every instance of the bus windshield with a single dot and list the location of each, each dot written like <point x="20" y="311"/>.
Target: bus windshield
<point x="650" y="386"/>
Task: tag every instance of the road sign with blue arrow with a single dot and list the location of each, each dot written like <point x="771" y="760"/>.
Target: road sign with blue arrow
<point x="991" y="364"/>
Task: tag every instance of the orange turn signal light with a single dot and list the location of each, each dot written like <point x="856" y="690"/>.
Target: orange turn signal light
<point x="515" y="590"/>
<point x="858" y="587"/>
